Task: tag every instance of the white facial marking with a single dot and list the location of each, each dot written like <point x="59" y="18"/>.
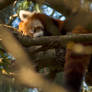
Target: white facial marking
<point x="38" y="34"/>
<point x="27" y="13"/>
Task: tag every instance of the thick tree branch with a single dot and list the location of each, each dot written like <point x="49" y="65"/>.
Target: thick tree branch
<point x="60" y="40"/>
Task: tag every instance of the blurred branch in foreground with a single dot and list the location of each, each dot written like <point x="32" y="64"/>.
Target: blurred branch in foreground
<point x="26" y="72"/>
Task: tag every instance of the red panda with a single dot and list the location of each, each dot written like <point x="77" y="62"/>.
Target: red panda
<point x="35" y="24"/>
<point x="76" y="64"/>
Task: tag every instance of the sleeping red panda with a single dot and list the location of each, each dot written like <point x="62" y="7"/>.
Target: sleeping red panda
<point x="35" y="24"/>
<point x="76" y="64"/>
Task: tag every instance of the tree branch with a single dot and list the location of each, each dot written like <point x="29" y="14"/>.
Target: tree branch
<point x="60" y="40"/>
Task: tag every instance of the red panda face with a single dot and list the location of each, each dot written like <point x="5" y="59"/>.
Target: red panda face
<point x="31" y="26"/>
<point x="36" y="24"/>
<point x="34" y="28"/>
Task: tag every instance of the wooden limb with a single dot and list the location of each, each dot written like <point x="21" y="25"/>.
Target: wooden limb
<point x="60" y="40"/>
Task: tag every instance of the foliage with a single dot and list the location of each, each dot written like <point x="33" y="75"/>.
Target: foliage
<point x="23" y="5"/>
<point x="5" y="61"/>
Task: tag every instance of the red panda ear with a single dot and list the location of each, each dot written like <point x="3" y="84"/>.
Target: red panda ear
<point x="23" y="14"/>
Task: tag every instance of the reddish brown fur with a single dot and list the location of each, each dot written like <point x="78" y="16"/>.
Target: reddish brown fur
<point x="45" y="20"/>
<point x="75" y="65"/>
